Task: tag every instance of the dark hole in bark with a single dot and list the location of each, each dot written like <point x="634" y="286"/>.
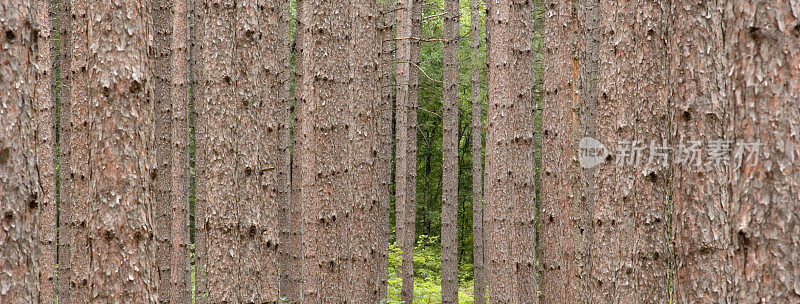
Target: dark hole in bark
<point x="652" y="177"/>
<point x="10" y="35"/>
<point x="135" y="86"/>
<point x="248" y="171"/>
<point x="9" y="215"/>
<point x="550" y="218"/>
<point x="687" y="115"/>
<point x="5" y="154"/>
<point x="609" y="158"/>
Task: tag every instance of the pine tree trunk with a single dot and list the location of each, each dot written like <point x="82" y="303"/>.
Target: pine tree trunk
<point x="20" y="183"/>
<point x="291" y="242"/>
<point x="560" y="175"/>
<point x="216" y="213"/>
<point x="702" y="233"/>
<point x="365" y="115"/>
<point x="405" y="211"/>
<point x="763" y="57"/>
<point x="72" y="273"/>
<point x="384" y="167"/>
<point x="450" y="154"/>
<point x="509" y="155"/>
<point x="325" y="120"/>
<point x="479" y="271"/>
<point x="106" y="214"/>
<point x="172" y="140"/>
<point x="44" y="114"/>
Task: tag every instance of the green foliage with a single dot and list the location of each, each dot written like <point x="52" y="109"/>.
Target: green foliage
<point x="427" y="274"/>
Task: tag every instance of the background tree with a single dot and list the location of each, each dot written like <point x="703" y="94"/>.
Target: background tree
<point x="291" y="214"/>
<point x="20" y="248"/>
<point x="479" y="285"/>
<point x="403" y="160"/>
<point x="45" y="114"/>
<point x="172" y="150"/>
<point x="450" y="154"/>
<point x="509" y="154"/>
<point x="216" y="212"/>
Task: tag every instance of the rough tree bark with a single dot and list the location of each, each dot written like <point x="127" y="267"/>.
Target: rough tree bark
<point x="629" y="258"/>
<point x="172" y="141"/>
<point x="364" y="116"/>
<point x="44" y="106"/>
<point x="569" y="108"/>
<point x="21" y="190"/>
<point x="449" y="231"/>
<point x="509" y="154"/>
<point x="700" y="194"/>
<point x="291" y="241"/>
<point x="404" y="231"/>
<point x="384" y="169"/>
<point x="324" y="121"/>
<point x="479" y="272"/>
<point x="216" y="212"/>
<point x="762" y="50"/>
<point x="106" y="216"/>
<point x="261" y="81"/>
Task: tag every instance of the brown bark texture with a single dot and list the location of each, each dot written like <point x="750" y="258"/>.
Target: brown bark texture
<point x="559" y="173"/>
<point x="450" y="145"/>
<point x="762" y="50"/>
<point x="479" y="270"/>
<point x="216" y="213"/>
<point x="21" y="190"/>
<point x="45" y="109"/>
<point x="337" y="115"/>
<point x="403" y="161"/>
<point x="510" y="211"/>
<point x="107" y="217"/>
<point x="172" y="150"/>
<point x="385" y="110"/>
<point x="291" y="217"/>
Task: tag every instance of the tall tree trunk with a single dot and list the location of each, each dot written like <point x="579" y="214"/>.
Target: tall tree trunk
<point x="261" y="85"/>
<point x="559" y="173"/>
<point x="326" y="118"/>
<point x="404" y="230"/>
<point x="365" y="114"/>
<point x="216" y="212"/>
<point x="479" y="271"/>
<point x="72" y="273"/>
<point x="20" y="184"/>
<point x="44" y="105"/>
<point x="107" y="210"/>
<point x="699" y="110"/>
<point x="172" y="140"/>
<point x="384" y="165"/>
<point x="292" y="217"/>
<point x="450" y="154"/>
<point x="111" y="194"/>
<point x="629" y="257"/>
<point x="243" y="113"/>
<point x="763" y="54"/>
<point x="509" y="155"/>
